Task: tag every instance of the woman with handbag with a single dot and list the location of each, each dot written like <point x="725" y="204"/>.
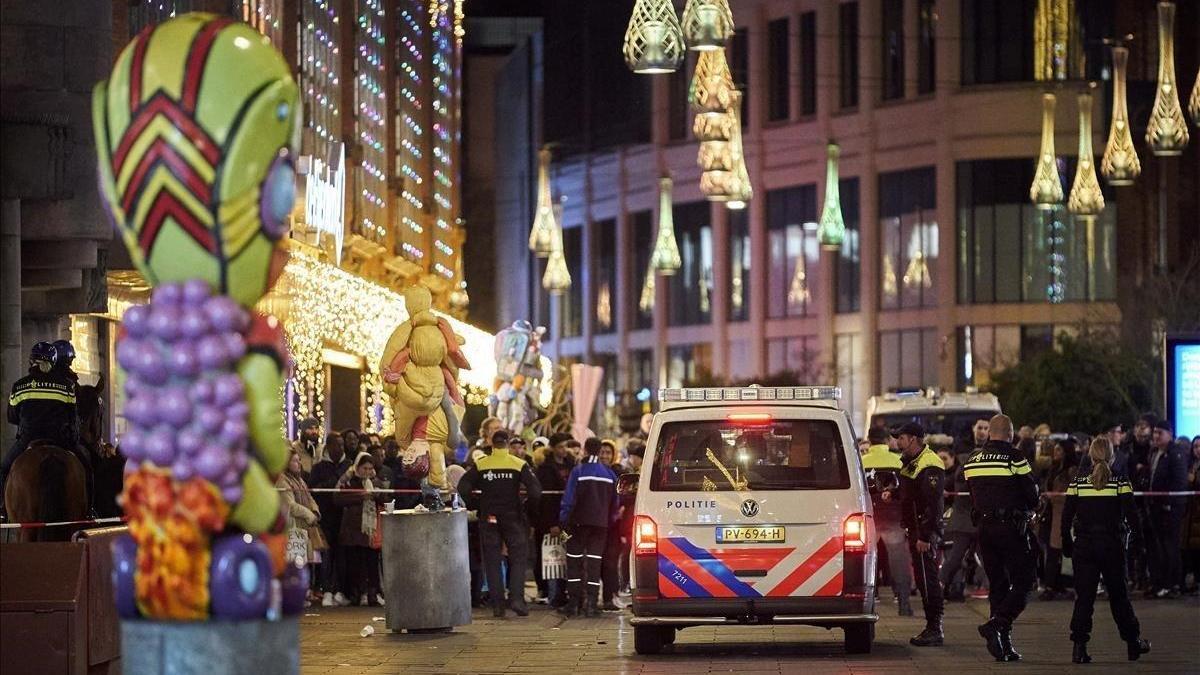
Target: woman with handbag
<point x="359" y="535"/>
<point x="305" y="540"/>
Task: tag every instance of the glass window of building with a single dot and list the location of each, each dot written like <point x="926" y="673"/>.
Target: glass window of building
<point x="691" y="287"/>
<point x="793" y="252"/>
<point x="997" y="41"/>
<point x="571" y="306"/>
<point x="847" y="272"/>
<point x="892" y="31"/>
<point x="739" y="67"/>
<point x="604" y="305"/>
<point x="800" y="356"/>
<point x="808" y="63"/>
<point x="643" y="244"/>
<point x="926" y="53"/>
<point x="610" y="387"/>
<point x="778" y="74"/>
<point x="848" y="54"/>
<point x="740" y="367"/>
<point x="739" y="265"/>
<point x="848" y="358"/>
<point x="641" y="370"/>
<point x="686" y="362"/>
<point x="985" y="350"/>
<point x="909" y="239"/>
<point x="908" y="359"/>
<point x="539" y="298"/>
<point x="1010" y="251"/>
<point x="680" y="116"/>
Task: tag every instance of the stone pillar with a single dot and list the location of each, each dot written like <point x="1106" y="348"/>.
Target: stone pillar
<point x="719" y="298"/>
<point x="946" y="273"/>
<point x="627" y="278"/>
<point x="10" y="309"/>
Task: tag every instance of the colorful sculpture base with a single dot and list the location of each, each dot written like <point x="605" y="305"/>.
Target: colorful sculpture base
<point x="424" y="585"/>
<point x="207" y="647"/>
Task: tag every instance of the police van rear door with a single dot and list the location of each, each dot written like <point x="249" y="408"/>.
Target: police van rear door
<point x="754" y="502"/>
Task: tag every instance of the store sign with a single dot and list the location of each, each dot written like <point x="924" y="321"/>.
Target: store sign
<point x="1182" y="356"/>
<point x="325" y="196"/>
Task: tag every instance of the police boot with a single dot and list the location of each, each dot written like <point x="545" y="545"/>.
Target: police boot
<point x="930" y="637"/>
<point x="1006" y="646"/>
<point x="1137" y="648"/>
<point x="1079" y="653"/>
<point x="991" y="632"/>
<point x="591" y="610"/>
<point x="570" y="609"/>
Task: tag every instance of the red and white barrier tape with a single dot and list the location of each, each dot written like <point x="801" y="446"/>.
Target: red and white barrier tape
<point x="61" y="523"/>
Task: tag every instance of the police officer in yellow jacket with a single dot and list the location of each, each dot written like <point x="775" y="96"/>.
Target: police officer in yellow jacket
<point x="1004" y="496"/>
<point x="884" y="465"/>
<point x="922" y="480"/>
<point x="1099" y="508"/>
<point x="42" y="405"/>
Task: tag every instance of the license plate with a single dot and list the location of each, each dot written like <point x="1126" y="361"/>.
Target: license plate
<point x="755" y="534"/>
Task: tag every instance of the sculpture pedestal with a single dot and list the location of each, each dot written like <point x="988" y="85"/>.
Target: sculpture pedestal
<point x="426" y="570"/>
<point x="208" y="647"/>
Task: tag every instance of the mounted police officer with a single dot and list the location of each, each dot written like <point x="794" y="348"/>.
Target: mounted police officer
<point x="922" y="480"/>
<point x="884" y="465"/>
<point x="1004" y="496"/>
<point x="499" y="477"/>
<point x="1100" y="508"/>
<point x="42" y="405"/>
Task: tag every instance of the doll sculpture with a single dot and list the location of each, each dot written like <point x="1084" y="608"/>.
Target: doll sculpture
<point x="420" y="374"/>
<point x="195" y="132"/>
<point x="518" y="351"/>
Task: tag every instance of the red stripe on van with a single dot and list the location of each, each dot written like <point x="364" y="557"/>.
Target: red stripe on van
<point x="834" y="587"/>
<point x="668" y="589"/>
<point x="764" y="559"/>
<point x="807" y="568"/>
<point x="693" y="569"/>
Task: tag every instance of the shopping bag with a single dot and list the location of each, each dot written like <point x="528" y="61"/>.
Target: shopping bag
<point x="377" y="535"/>
<point x="297" y="545"/>
<point x="554" y="557"/>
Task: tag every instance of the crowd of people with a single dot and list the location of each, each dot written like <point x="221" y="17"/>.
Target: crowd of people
<point x="999" y="513"/>
<point x="518" y="492"/>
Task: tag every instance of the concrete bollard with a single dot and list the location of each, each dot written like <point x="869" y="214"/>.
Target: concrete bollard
<point x="427" y="576"/>
<point x="208" y="647"/>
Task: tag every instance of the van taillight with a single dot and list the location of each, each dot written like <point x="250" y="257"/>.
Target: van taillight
<point x="645" y="536"/>
<point x="854" y="534"/>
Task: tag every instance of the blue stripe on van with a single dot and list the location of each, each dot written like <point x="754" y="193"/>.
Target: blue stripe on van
<point x="716" y="568"/>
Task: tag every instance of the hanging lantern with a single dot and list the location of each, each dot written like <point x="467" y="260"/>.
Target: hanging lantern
<point x="653" y="40"/>
<point x="712" y="84"/>
<point x="665" y="258"/>
<point x="740" y="191"/>
<point x="1194" y="102"/>
<point x="832" y="229"/>
<point x="557" y="278"/>
<point x="1046" y="191"/>
<point x="707" y="24"/>
<point x="541" y="236"/>
<point x="1166" y="132"/>
<point x="1120" y="164"/>
<point x="1086" y="199"/>
<point x="646" y="301"/>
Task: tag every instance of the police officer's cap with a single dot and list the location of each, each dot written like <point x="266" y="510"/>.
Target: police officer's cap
<point x="910" y="428"/>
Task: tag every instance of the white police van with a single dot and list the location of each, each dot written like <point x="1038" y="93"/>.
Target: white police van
<point x="751" y="508"/>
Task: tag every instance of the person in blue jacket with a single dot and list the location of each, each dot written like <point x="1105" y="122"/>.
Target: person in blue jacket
<point x="589" y="508"/>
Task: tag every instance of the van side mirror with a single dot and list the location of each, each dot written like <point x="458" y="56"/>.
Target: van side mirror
<point x="627" y="484"/>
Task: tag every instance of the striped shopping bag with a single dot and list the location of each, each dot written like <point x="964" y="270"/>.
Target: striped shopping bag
<point x="554" y="557"/>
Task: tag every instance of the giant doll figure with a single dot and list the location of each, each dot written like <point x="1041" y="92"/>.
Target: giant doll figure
<point x="420" y="367"/>
<point x="195" y="132"/>
<point x="518" y="351"/>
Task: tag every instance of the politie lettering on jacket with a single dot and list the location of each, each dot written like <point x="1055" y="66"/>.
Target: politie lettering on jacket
<point x="691" y="504"/>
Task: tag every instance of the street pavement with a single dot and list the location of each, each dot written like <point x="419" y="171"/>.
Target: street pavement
<point x="546" y="643"/>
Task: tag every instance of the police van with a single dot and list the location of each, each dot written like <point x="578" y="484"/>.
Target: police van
<point x="751" y="508"/>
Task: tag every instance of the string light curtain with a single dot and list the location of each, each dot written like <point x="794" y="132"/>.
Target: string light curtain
<point x="707" y="24"/>
<point x="832" y="228"/>
<point x="1085" y="199"/>
<point x="1166" y="132"/>
<point x="665" y="258"/>
<point x="653" y="39"/>
<point x="1120" y="164"/>
<point x="412" y="147"/>
<point x="370" y="100"/>
<point x="1047" y="190"/>
<point x="541" y="236"/>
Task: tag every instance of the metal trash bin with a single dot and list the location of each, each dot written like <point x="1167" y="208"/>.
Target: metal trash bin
<point x="427" y="577"/>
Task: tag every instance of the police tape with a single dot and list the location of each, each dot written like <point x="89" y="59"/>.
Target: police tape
<point x="61" y="523"/>
<point x="402" y="491"/>
<point x="1147" y="493"/>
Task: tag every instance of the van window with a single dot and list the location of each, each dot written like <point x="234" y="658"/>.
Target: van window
<point x="720" y="456"/>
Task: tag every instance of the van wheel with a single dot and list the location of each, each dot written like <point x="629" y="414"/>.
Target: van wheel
<point x="649" y="639"/>
<point x="859" y="637"/>
<point x="668" y="635"/>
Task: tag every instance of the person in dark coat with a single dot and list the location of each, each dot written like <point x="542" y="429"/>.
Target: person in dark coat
<point x="331" y="572"/>
<point x="360" y="507"/>
<point x="1168" y="473"/>
<point x="612" y="548"/>
<point x="552" y="475"/>
<point x="589" y="507"/>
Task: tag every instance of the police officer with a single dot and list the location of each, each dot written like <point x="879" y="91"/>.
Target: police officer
<point x="589" y="507"/>
<point x="1004" y="496"/>
<point x="883" y="466"/>
<point x="499" y="477"/>
<point x="42" y="405"/>
<point x="1100" y="507"/>
<point x="922" y="479"/>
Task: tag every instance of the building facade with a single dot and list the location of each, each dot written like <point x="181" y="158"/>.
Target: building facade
<point x="947" y="273"/>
